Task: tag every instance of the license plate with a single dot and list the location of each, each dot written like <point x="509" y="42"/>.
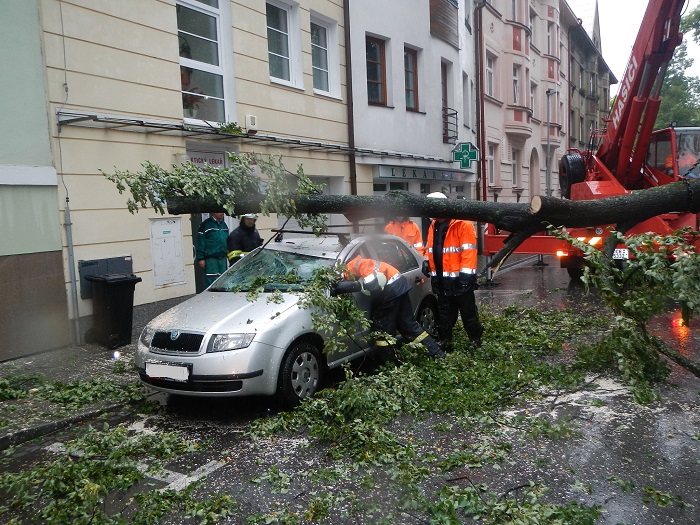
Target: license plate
<point x="161" y="371"/>
<point x="621" y="253"/>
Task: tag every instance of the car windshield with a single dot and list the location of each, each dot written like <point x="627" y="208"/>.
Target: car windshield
<point x="272" y="270"/>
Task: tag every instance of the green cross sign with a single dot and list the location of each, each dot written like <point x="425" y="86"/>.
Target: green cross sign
<point x="465" y="153"/>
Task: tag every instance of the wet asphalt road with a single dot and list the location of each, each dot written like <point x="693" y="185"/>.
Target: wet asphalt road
<point x="628" y="458"/>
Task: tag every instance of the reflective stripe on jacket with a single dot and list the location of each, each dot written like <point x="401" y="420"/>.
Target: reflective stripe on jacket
<point x="366" y="270"/>
<point x="458" y="250"/>
<point x="408" y="231"/>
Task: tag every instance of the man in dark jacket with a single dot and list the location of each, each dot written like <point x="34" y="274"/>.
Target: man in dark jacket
<point x="243" y="239"/>
<point x="210" y="247"/>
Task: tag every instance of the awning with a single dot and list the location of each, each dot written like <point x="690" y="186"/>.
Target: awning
<point x="70" y="117"/>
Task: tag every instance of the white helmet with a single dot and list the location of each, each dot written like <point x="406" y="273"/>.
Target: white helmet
<point x="249" y="216"/>
<point x="437" y="195"/>
<point x="381" y="281"/>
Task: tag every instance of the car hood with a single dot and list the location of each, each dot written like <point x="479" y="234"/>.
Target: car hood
<point x="224" y="312"/>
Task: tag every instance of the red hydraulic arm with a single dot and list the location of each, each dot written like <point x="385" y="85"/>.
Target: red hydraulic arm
<point x="632" y="118"/>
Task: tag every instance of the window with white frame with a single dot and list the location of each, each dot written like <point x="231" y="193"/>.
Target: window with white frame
<point x="516" y="168"/>
<point x="204" y="47"/>
<point x="491" y="162"/>
<point x="533" y="34"/>
<point x="319" y="57"/>
<point x="533" y="97"/>
<point x="410" y="67"/>
<point x="490" y="68"/>
<point x="466" y="100"/>
<point x="516" y="84"/>
<point x="550" y="37"/>
<point x="514" y="10"/>
<point x="283" y="43"/>
<point x="324" y="55"/>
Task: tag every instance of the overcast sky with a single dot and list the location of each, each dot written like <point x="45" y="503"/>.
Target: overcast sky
<point x="619" y="25"/>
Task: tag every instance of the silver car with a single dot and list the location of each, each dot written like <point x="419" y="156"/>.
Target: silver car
<point x="222" y="343"/>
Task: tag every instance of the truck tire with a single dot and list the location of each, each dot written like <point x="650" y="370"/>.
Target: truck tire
<point x="572" y="170"/>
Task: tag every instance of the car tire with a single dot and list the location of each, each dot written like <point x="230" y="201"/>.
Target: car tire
<point x="427" y="316"/>
<point x="300" y="374"/>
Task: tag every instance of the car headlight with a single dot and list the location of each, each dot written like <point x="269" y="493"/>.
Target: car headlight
<point x="147" y="335"/>
<point x="225" y="342"/>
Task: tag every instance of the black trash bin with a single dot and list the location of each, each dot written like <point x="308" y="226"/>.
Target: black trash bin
<point x="113" y="308"/>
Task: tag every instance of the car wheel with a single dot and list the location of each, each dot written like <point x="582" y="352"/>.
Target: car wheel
<point x="427" y="317"/>
<point x="575" y="274"/>
<point x="300" y="374"/>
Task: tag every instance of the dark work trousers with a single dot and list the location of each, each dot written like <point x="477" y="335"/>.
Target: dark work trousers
<point x="449" y="306"/>
<point x="396" y="315"/>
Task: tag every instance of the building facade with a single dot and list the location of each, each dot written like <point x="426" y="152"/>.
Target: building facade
<point x="367" y="96"/>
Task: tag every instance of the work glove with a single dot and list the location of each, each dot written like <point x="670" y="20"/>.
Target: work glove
<point x="343" y="287"/>
<point x="426" y="268"/>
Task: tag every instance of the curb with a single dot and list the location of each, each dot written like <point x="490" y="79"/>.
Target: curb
<point x="27" y="434"/>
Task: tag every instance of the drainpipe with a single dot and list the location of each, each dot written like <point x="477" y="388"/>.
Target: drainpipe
<point x="77" y="335"/>
<point x="481" y="131"/>
<point x="348" y="89"/>
<point x="480" y="94"/>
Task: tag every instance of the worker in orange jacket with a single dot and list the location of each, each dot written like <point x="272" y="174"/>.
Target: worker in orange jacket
<point x="391" y="309"/>
<point x="451" y="265"/>
<point x="408" y="230"/>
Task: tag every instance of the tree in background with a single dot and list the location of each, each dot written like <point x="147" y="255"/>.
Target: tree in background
<point x="681" y="93"/>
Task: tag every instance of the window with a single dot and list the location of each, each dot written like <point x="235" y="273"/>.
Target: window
<point x="516" y="168"/>
<point x="410" y="66"/>
<point x="533" y="35"/>
<point x="516" y="84"/>
<point x="376" y="71"/>
<point x="319" y="57"/>
<point x="514" y="10"/>
<point x="325" y="61"/>
<point x="490" y="64"/>
<point x="283" y="46"/>
<point x="533" y="97"/>
<point x="550" y="36"/>
<point x="581" y="128"/>
<point x="491" y="162"/>
<point x="466" y="100"/>
<point x="202" y="73"/>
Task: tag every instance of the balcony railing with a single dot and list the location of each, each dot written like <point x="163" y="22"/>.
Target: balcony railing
<point x="449" y="126"/>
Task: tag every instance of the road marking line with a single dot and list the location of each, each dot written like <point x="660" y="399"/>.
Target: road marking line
<point x="198" y="474"/>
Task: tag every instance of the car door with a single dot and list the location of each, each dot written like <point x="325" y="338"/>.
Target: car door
<point x="359" y="343"/>
<point x="394" y="251"/>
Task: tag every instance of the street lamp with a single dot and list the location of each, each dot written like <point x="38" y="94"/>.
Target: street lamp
<point x="548" y="156"/>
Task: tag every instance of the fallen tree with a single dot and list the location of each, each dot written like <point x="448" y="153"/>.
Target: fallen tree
<point x="521" y="220"/>
<point x="235" y="190"/>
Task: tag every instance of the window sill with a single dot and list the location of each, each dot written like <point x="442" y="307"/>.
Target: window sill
<point x="286" y="83"/>
<point x="379" y="105"/>
<point x="327" y="94"/>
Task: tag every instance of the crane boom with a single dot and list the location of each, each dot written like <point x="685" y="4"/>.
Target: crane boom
<point x="637" y="103"/>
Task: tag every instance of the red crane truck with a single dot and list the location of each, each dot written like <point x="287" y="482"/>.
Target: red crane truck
<point x="630" y="154"/>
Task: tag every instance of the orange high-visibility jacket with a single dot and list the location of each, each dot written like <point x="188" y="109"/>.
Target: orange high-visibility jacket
<point x="458" y="250"/>
<point x="366" y="270"/>
<point x="408" y="231"/>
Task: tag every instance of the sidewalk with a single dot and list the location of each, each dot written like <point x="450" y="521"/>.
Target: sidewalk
<point x="55" y="399"/>
<point x="98" y="370"/>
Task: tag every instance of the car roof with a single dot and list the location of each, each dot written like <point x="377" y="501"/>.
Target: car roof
<point x="327" y="246"/>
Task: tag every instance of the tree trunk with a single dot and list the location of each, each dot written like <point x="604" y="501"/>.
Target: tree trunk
<point x="630" y="208"/>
